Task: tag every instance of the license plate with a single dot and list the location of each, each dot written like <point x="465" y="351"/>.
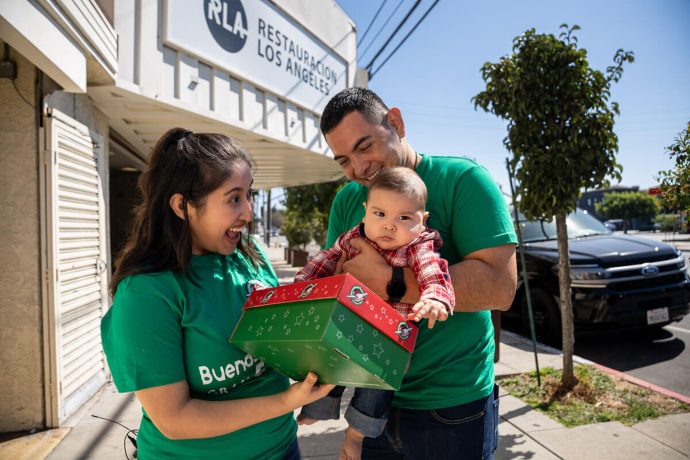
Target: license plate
<point x="658" y="315"/>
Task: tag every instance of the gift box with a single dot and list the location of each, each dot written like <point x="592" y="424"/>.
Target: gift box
<point x="333" y="326"/>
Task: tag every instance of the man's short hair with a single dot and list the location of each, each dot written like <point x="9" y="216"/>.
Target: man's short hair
<point x="349" y="100"/>
<point x="402" y="180"/>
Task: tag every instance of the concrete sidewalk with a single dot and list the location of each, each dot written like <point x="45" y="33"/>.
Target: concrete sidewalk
<point x="524" y="432"/>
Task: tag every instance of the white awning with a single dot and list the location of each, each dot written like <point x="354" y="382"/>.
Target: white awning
<point x="142" y="118"/>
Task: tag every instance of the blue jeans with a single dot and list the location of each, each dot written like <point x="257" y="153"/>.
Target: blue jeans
<point x="367" y="412"/>
<point x="293" y="452"/>
<point x="464" y="432"/>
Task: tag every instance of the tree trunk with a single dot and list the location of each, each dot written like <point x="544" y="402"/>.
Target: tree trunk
<point x="568" y="380"/>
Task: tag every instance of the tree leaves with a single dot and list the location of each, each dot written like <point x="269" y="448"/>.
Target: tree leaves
<point x="675" y="183"/>
<point x="560" y="121"/>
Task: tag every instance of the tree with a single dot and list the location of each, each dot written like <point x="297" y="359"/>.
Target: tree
<point x="560" y="132"/>
<point x="675" y="183"/>
<point x="628" y="206"/>
<point x="307" y="209"/>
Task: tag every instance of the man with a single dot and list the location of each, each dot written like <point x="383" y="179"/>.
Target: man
<point x="446" y="407"/>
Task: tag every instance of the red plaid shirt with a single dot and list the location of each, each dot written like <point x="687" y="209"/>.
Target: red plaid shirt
<point x="420" y="255"/>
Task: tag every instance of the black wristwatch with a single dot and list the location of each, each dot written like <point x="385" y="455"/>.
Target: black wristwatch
<point x="396" y="286"/>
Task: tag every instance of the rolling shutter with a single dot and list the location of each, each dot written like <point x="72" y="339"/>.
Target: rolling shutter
<point x="76" y="263"/>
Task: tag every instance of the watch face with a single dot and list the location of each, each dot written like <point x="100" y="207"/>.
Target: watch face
<point x="396" y="289"/>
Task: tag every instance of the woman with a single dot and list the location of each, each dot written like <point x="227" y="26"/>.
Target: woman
<point x="178" y="289"/>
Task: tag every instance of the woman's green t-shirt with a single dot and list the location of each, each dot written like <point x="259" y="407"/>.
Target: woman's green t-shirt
<point x="163" y="328"/>
<point x="453" y="362"/>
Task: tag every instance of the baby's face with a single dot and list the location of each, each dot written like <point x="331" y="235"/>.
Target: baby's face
<point x="392" y="219"/>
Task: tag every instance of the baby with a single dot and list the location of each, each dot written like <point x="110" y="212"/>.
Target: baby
<point x="394" y="224"/>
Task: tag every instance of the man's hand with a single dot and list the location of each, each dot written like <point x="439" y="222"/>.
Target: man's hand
<point x="351" y="449"/>
<point x="431" y="309"/>
<point x="368" y="267"/>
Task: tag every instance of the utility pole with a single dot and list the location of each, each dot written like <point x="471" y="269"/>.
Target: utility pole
<point x="267" y="219"/>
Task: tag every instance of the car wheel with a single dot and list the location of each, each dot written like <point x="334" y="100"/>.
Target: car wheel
<point x="547" y="317"/>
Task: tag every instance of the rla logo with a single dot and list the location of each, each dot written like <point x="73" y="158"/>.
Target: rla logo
<point x="357" y="295"/>
<point x="227" y="22"/>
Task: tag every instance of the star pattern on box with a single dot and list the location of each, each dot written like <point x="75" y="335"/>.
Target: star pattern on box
<point x="300" y="318"/>
<point x="345" y="326"/>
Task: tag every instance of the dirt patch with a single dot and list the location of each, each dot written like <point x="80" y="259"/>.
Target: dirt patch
<point x="598" y="397"/>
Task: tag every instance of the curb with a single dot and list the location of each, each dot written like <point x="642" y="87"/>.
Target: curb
<point x="637" y="381"/>
<point x="642" y="383"/>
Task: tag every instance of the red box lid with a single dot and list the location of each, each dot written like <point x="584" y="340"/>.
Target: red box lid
<point x="349" y="292"/>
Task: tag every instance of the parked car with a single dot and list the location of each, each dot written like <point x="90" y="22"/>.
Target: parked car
<point x="614" y="224"/>
<point x="618" y="281"/>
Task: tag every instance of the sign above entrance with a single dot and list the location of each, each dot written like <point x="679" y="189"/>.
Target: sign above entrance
<point x="254" y="40"/>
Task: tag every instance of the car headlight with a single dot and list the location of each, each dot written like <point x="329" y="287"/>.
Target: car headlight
<point x="586" y="272"/>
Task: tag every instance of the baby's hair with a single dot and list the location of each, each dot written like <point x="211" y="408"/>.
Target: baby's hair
<point x="402" y="180"/>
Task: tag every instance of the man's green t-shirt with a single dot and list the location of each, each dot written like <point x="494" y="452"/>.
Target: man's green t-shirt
<point x="453" y="362"/>
<point x="163" y="328"/>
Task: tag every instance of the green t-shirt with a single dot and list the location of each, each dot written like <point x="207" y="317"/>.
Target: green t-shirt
<point x="453" y="362"/>
<point x="162" y="328"/>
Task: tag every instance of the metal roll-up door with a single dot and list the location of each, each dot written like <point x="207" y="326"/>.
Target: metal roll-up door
<point x="76" y="264"/>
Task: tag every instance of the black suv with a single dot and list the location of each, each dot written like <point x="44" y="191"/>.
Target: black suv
<point x="618" y="281"/>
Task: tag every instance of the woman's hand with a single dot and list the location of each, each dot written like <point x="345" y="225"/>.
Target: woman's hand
<point x="305" y="392"/>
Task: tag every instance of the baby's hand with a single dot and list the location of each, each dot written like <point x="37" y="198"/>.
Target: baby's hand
<point x="431" y="309"/>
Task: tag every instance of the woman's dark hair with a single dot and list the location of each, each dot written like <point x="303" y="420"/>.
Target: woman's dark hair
<point x="193" y="165"/>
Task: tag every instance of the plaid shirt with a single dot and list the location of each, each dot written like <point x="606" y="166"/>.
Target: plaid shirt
<point x="420" y="255"/>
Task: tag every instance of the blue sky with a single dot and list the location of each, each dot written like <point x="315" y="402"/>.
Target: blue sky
<point x="433" y="76"/>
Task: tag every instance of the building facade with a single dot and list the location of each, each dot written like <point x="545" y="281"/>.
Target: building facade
<point x="87" y="88"/>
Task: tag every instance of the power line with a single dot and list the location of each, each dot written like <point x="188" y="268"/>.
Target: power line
<point x="371" y="75"/>
<point x="371" y="23"/>
<point x="373" y="40"/>
<point x="414" y="7"/>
